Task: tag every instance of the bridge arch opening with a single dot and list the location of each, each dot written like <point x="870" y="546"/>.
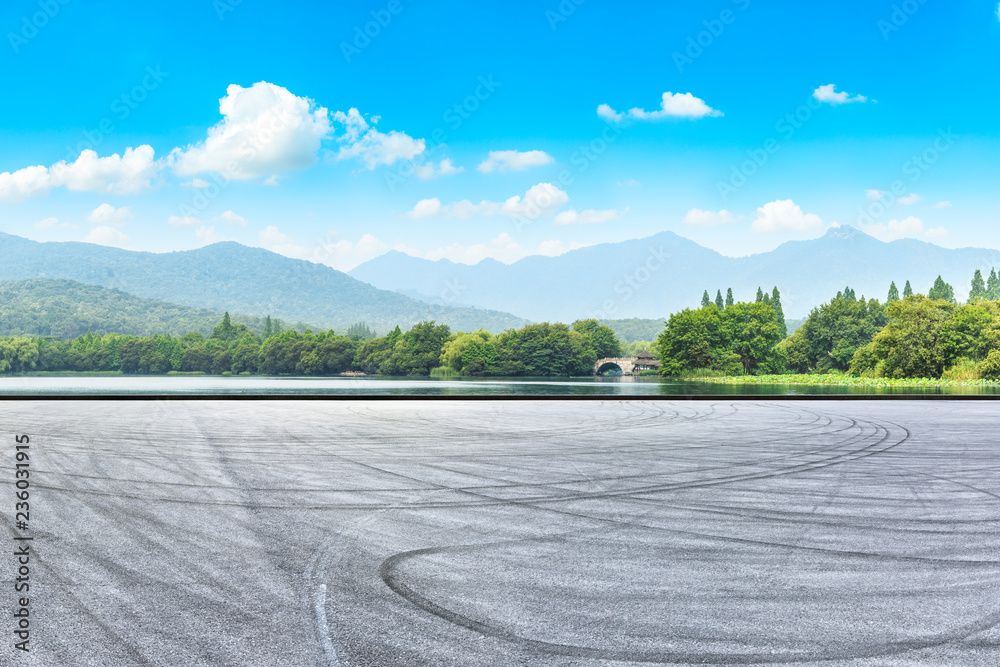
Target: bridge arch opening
<point x="610" y="368"/>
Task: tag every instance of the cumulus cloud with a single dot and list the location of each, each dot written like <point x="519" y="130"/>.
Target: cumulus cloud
<point x="503" y="248"/>
<point x="875" y="195"/>
<point x="784" y="216"/>
<point x="265" y="131"/>
<point x="588" y="217"/>
<point x="907" y="228"/>
<point x="207" y="235"/>
<point x="109" y="236"/>
<point x="106" y="214"/>
<point x="514" y="161"/>
<point x="699" y="218"/>
<point x="362" y="141"/>
<point x="942" y="204"/>
<point x="232" y="219"/>
<point x="910" y="199"/>
<point x="124" y="174"/>
<point x="540" y="200"/>
<point x="829" y="95"/>
<point x="428" y="171"/>
<point x="673" y="105"/>
<point x="184" y="220"/>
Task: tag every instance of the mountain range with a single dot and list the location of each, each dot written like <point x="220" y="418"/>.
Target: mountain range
<point x="655" y="276"/>
<point x="239" y="279"/>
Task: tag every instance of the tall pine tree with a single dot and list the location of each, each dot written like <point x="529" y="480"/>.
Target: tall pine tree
<point x="779" y="311"/>
<point x="893" y="292"/>
<point x="907" y="290"/>
<point x="978" y="289"/>
<point x="760" y="295"/>
<point x="941" y="290"/>
<point x="993" y="286"/>
<point x="718" y="300"/>
<point x="705" y="301"/>
<point x="729" y="297"/>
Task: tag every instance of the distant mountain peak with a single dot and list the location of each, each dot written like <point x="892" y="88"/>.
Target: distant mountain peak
<point x="845" y="232"/>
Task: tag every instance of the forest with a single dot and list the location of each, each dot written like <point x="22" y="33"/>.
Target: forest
<point x="909" y="335"/>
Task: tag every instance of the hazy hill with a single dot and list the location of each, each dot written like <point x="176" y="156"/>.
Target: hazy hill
<point x="237" y="278"/>
<point x="629" y="280"/>
<point x="66" y="309"/>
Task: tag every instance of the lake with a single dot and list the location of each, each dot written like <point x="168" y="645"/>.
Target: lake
<point x="262" y="385"/>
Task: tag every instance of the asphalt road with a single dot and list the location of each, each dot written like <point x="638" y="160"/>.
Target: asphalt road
<point x="507" y="533"/>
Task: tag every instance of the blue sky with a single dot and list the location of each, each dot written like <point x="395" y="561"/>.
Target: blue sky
<point x="737" y="123"/>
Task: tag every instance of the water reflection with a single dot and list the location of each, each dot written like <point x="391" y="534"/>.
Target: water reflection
<point x="620" y="385"/>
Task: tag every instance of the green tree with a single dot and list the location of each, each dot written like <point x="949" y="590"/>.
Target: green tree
<point x="752" y="332"/>
<point x="719" y="303"/>
<point x="760" y="295"/>
<point x="829" y="337"/>
<point x="910" y="345"/>
<point x="705" y="301"/>
<point x="993" y="286"/>
<point x="893" y="292"/>
<point x="941" y="290"/>
<point x="779" y="311"/>
<point x="601" y="338"/>
<point x="907" y="290"/>
<point x="729" y="297"/>
<point x="978" y="288"/>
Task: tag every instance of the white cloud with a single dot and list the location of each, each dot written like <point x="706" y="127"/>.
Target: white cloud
<point x="340" y="254"/>
<point x="503" y="248"/>
<point x="540" y="200"/>
<point x="428" y="171"/>
<point x="265" y="131"/>
<point x="829" y="95"/>
<point x="207" y="235"/>
<point x="910" y="199"/>
<point x="700" y="218"/>
<point x="196" y="183"/>
<point x="426" y="208"/>
<point x="124" y="174"/>
<point x="362" y="141"/>
<point x="673" y="105"/>
<point x="784" y="216"/>
<point x="514" y="161"/>
<point x="942" y="204"/>
<point x="106" y="214"/>
<point x="910" y="227"/>
<point x="49" y="223"/>
<point x="106" y="236"/>
<point x="232" y="218"/>
<point x="588" y="217"/>
<point x="875" y="195"/>
<point x="184" y="221"/>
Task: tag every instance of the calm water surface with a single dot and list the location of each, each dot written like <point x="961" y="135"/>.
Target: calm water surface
<point x="117" y="385"/>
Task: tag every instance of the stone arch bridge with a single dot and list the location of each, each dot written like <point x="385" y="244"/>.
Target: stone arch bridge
<point x="628" y="365"/>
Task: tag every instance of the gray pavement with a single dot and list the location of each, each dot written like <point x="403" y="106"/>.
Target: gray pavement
<point x="508" y="533"/>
